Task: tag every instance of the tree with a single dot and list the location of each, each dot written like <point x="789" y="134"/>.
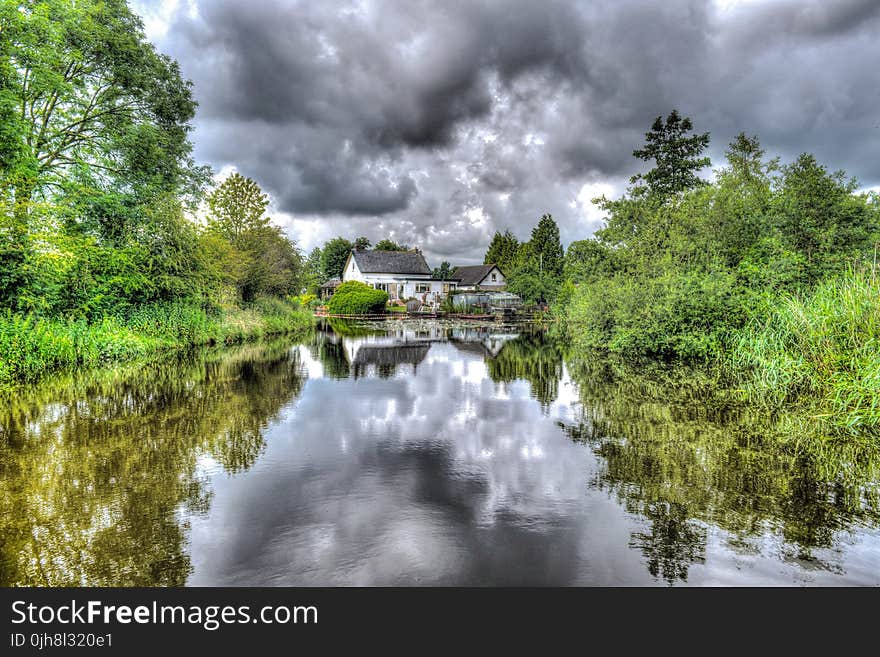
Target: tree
<point x="333" y="257"/>
<point x="819" y="216"/>
<point x="545" y="247"/>
<point x="588" y="259"/>
<point x="91" y="93"/>
<point x="444" y="271"/>
<point x="388" y="245"/>
<point x="677" y="157"/>
<point x="313" y="274"/>
<point x="502" y="250"/>
<point x="362" y="243"/>
<point x="273" y="266"/>
<point x="237" y="205"/>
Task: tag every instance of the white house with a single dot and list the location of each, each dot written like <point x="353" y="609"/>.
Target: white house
<point x="479" y="277"/>
<point x="402" y="274"/>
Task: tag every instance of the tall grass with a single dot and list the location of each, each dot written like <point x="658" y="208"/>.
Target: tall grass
<point x="31" y="346"/>
<point x="820" y="351"/>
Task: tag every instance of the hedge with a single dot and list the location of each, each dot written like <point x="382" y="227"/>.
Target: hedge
<point x="356" y="298"/>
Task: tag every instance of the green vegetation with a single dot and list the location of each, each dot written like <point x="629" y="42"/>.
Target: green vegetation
<point x="33" y="346"/>
<point x="767" y="273"/>
<point x="821" y="351"/>
<point x="356" y="298"/>
<point x="100" y="258"/>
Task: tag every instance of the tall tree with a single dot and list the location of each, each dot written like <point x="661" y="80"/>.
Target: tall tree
<point x="545" y="247"/>
<point x="390" y="245"/>
<point x="91" y="94"/>
<point x="677" y="155"/>
<point x="313" y="274"/>
<point x="502" y="250"/>
<point x="334" y="255"/>
<point x="362" y="243"/>
<point x="237" y="205"/>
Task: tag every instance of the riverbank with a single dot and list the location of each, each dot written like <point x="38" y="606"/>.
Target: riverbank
<point x="33" y="346"/>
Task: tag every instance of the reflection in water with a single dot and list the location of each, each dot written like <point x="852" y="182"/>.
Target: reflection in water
<point x="99" y="474"/>
<point x="418" y="453"/>
<point x="684" y="461"/>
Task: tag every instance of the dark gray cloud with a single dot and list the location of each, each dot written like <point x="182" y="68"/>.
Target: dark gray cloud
<point x="440" y="122"/>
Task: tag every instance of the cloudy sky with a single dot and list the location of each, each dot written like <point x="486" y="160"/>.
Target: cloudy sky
<point x="439" y="122"/>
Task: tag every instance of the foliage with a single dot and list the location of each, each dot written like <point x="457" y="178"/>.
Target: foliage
<point x="33" y="346"/>
<point x="333" y="257"/>
<point x="677" y="276"/>
<point x="820" y="350"/>
<point x="444" y="271"/>
<point x="676" y="155"/>
<point x="502" y="251"/>
<point x="390" y="245"/>
<point x="356" y="298"/>
<point x="313" y="274"/>
<point x="535" y="272"/>
<point x="362" y="243"/>
<point x="237" y="205"/>
<point x="93" y="95"/>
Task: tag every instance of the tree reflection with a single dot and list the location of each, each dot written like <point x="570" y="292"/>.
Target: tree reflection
<point x="533" y="356"/>
<point x="679" y="454"/>
<point x="99" y="472"/>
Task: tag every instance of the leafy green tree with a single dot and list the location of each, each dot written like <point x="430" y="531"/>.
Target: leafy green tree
<point x="821" y="218"/>
<point x="237" y="205"/>
<point x="502" y="250"/>
<point x="90" y="92"/>
<point x="313" y="274"/>
<point x="532" y="283"/>
<point x="273" y="265"/>
<point x="333" y="257"/>
<point x="677" y="155"/>
<point x="444" y="271"/>
<point x="588" y="259"/>
<point x="389" y="245"/>
<point x="362" y="243"/>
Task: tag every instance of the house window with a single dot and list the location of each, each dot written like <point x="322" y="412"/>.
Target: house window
<point x="381" y="286"/>
<point x="422" y="287"/>
<point x="494" y="277"/>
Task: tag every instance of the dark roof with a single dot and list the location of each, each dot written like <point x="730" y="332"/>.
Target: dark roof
<point x="333" y="282"/>
<point x="391" y="262"/>
<point x="472" y="274"/>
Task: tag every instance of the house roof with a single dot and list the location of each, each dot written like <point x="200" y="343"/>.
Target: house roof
<point x="391" y="262"/>
<point x="333" y="282"/>
<point x="472" y="274"/>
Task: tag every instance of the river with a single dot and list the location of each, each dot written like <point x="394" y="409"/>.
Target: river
<point x="416" y="453"/>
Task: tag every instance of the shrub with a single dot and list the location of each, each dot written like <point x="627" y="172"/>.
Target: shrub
<point x="356" y="298"/>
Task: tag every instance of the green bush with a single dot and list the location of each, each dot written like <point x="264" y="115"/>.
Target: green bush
<point x="677" y="315"/>
<point x="356" y="298"/>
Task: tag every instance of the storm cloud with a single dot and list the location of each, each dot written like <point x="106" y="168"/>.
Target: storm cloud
<point x="440" y="122"/>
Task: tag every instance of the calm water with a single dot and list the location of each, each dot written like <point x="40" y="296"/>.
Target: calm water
<point x="429" y="454"/>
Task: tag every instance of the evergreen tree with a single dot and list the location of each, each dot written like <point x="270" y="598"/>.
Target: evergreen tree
<point x="502" y="250"/>
<point x="545" y="247"/>
<point x="677" y="155"/>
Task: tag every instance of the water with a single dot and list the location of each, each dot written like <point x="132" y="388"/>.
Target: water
<point x="431" y="454"/>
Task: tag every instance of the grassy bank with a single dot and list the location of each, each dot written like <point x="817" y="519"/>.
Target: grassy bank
<point x="819" y="353"/>
<point x="32" y="346"/>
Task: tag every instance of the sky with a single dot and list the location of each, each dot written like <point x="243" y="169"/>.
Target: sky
<point x="438" y="123"/>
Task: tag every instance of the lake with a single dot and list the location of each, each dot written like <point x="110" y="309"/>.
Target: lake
<point x="417" y="453"/>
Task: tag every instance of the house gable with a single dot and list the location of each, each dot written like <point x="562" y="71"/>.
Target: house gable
<point x="479" y="275"/>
